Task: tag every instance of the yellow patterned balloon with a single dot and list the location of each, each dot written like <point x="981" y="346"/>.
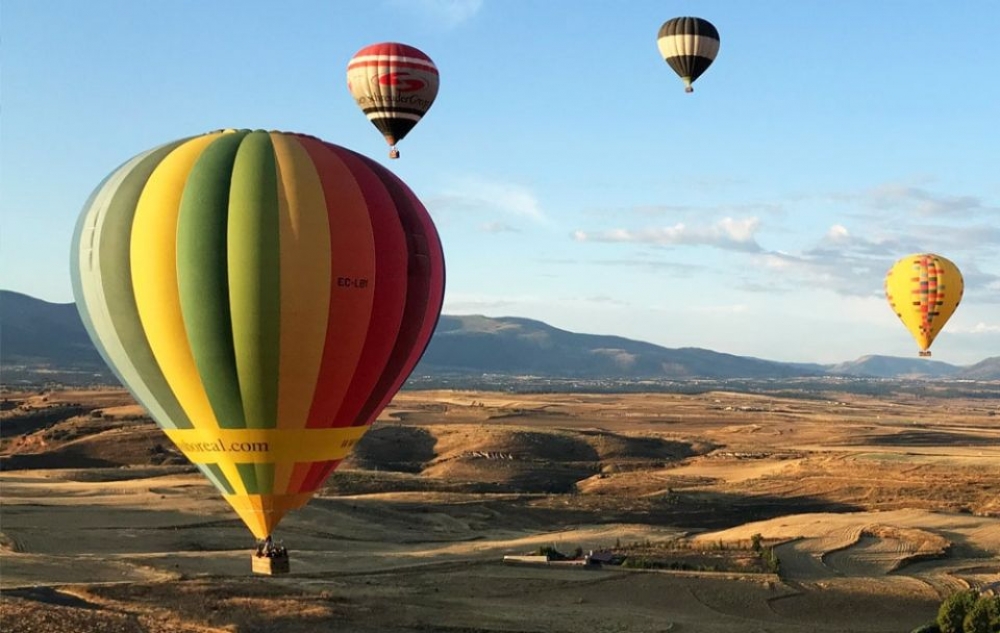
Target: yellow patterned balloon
<point x="924" y="289"/>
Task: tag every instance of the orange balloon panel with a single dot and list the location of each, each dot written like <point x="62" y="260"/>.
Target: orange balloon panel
<point x="264" y="295"/>
<point x="924" y="289"/>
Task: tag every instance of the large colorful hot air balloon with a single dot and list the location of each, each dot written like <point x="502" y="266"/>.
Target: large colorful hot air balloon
<point x="264" y="295"/>
<point x="394" y="85"/>
<point x="924" y="289"/>
<point x="689" y="45"/>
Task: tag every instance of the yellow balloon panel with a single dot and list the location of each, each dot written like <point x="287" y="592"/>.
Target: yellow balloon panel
<point x="261" y="513"/>
<point x="924" y="289"/>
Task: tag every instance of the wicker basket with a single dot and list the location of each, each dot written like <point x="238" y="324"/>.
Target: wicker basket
<point x="270" y="565"/>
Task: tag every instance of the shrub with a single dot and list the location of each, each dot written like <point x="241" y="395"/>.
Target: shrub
<point x="951" y="614"/>
<point x="551" y="552"/>
<point x="977" y="620"/>
<point x="984" y="616"/>
<point x="770" y="558"/>
<point x="633" y="562"/>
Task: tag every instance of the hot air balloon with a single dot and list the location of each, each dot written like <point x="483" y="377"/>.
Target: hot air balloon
<point x="394" y="85"/>
<point x="264" y="295"/>
<point x="689" y="45"/>
<point x="924" y="289"/>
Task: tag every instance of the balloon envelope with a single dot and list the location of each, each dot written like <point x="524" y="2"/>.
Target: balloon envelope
<point x="689" y="45"/>
<point x="924" y="289"/>
<point x="394" y="85"/>
<point x="263" y="295"/>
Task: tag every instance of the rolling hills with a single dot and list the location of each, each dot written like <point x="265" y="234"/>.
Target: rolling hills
<point x="42" y="341"/>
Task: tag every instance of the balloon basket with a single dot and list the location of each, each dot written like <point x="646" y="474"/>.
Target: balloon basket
<point x="270" y="565"/>
<point x="925" y="353"/>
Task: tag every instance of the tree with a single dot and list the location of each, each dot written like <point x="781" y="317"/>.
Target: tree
<point x="977" y="619"/>
<point x="984" y="616"/>
<point x="951" y="615"/>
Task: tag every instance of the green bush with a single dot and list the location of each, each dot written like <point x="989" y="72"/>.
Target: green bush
<point x="977" y="620"/>
<point x="551" y="552"/>
<point x="770" y="558"/>
<point x="983" y="617"/>
<point x="951" y="614"/>
<point x="633" y="562"/>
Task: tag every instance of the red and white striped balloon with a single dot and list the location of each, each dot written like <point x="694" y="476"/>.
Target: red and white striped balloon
<point x="394" y="85"/>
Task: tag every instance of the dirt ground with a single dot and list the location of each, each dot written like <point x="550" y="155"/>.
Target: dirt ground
<point x="880" y="507"/>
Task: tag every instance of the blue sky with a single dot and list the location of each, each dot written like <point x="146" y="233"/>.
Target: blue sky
<point x="571" y="178"/>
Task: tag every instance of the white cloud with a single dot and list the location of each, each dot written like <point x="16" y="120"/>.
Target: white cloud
<point x="978" y="328"/>
<point x="726" y="234"/>
<point x="920" y="201"/>
<point x="478" y="304"/>
<point x="837" y="233"/>
<point x="447" y="13"/>
<point x="763" y="208"/>
<point x="777" y="260"/>
<point x="498" y="227"/>
<point x="836" y="271"/>
<point x="605" y="299"/>
<point x="839" y="241"/>
<point x="481" y="196"/>
<point x="735" y="308"/>
<point x="953" y="241"/>
<point x="652" y="264"/>
<point x="851" y="257"/>
<point x="525" y="304"/>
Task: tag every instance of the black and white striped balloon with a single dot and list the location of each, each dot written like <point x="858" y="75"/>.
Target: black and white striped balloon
<point x="689" y="45"/>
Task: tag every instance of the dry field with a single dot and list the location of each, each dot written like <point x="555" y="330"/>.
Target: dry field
<point x="879" y="507"/>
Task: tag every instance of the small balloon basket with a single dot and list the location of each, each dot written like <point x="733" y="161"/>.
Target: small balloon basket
<point x="270" y="565"/>
<point x="269" y="559"/>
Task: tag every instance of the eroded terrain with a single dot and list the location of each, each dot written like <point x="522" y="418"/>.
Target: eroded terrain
<point x="878" y="506"/>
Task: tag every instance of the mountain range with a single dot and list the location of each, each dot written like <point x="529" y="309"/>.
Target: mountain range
<point x="39" y="339"/>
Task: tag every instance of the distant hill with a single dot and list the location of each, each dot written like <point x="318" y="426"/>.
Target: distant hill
<point x="41" y="337"/>
<point x="33" y="329"/>
<point x="987" y="369"/>
<point x="893" y="367"/>
<point x="511" y="345"/>
<point x="47" y="341"/>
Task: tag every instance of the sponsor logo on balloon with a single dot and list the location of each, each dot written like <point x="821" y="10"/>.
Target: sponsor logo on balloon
<point x="401" y="81"/>
<point x="393" y="99"/>
<point x="221" y="447"/>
